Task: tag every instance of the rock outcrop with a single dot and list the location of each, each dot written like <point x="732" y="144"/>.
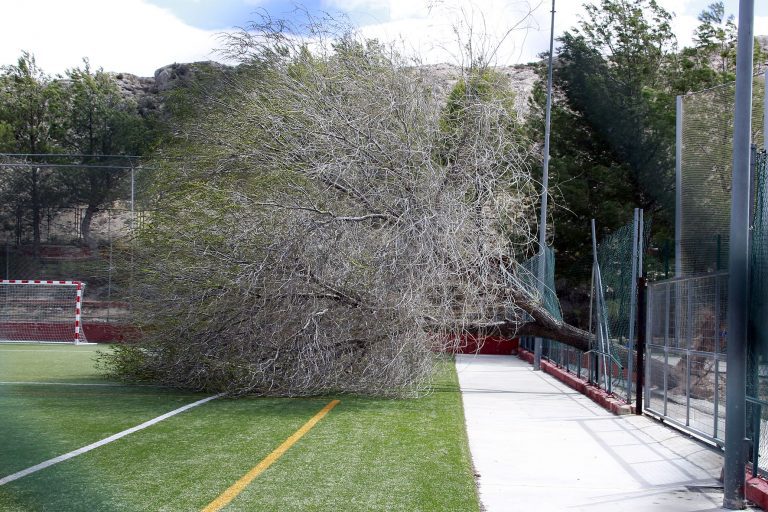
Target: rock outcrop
<point x="150" y="93"/>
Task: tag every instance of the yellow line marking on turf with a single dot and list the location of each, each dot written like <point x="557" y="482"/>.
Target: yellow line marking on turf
<point x="238" y="487"/>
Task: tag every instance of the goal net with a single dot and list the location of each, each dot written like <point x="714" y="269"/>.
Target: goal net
<point x="41" y="311"/>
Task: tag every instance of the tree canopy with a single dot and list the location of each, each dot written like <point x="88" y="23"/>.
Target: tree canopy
<point x="82" y="113"/>
<point x="616" y="77"/>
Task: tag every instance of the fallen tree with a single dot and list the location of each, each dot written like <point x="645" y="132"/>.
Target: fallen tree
<point x="328" y="220"/>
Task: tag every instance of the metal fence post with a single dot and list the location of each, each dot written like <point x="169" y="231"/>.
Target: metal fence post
<point x="641" y="287"/>
<point x="632" y="303"/>
<point x="602" y="334"/>
<point x="738" y="263"/>
<point x="757" y="412"/>
<point x="668" y="306"/>
<point x="649" y="316"/>
<point x="592" y="358"/>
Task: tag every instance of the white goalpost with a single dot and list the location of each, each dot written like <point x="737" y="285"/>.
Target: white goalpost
<point x="41" y="311"/>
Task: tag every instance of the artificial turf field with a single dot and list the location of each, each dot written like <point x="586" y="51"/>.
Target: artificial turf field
<point x="365" y="454"/>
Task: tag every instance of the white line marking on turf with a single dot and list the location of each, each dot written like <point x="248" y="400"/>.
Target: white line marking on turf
<point x="108" y="384"/>
<point x="106" y="440"/>
<point x="74" y="351"/>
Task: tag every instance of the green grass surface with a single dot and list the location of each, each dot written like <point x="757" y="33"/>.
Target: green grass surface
<point x="49" y="363"/>
<point x="367" y="454"/>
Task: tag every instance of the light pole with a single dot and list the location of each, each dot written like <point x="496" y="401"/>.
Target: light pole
<point x="545" y="188"/>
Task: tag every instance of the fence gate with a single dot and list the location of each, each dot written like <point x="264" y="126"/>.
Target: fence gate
<point x="686" y="353"/>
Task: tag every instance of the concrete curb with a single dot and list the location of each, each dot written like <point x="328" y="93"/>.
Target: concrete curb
<point x="596" y="394"/>
<point x="756" y="491"/>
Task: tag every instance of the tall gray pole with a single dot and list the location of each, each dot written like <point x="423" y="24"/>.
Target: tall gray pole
<point x="545" y="186"/>
<point x="678" y="186"/>
<point x="738" y="267"/>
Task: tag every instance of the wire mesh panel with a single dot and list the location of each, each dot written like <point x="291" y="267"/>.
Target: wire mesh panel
<point x="618" y="277"/>
<point x="758" y="329"/>
<point x="686" y="345"/>
<point x="758" y="272"/>
<point x="528" y="277"/>
<point x="706" y="169"/>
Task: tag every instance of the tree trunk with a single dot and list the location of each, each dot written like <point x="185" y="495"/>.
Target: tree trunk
<point x="36" y="208"/>
<point x="85" y="227"/>
<point x="544" y="325"/>
<point x="19" y="230"/>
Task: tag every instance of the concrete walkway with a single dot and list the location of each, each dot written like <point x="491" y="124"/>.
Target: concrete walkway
<point x="538" y="445"/>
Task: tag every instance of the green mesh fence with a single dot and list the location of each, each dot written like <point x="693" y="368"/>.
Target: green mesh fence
<point x="614" y="307"/>
<point x="527" y="273"/>
<point x="528" y="276"/>
<point x="614" y="256"/>
<point x="706" y="169"/>
<point x="613" y="310"/>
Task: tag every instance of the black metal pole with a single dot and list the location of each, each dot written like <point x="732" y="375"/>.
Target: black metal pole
<point x="639" y="377"/>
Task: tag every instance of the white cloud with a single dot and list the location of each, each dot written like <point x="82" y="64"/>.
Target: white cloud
<point x="432" y="32"/>
<point x="118" y="35"/>
<point x="429" y="31"/>
<point x="137" y="37"/>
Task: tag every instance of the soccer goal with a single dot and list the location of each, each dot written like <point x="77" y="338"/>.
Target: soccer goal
<point x="41" y="311"/>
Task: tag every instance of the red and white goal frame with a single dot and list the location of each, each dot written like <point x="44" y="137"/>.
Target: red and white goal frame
<point x="41" y="311"/>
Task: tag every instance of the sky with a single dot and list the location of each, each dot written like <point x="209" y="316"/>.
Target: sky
<point x="140" y="36"/>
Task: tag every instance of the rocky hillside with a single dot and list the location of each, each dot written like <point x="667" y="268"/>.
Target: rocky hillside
<point x="148" y="91"/>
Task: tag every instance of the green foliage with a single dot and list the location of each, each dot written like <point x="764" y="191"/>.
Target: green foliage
<point x="614" y="74"/>
<point x="29" y="101"/>
<point x="613" y="120"/>
<point x="96" y="118"/>
<point x="716" y="38"/>
<point x="96" y="121"/>
<point x="28" y="105"/>
<point x="480" y="86"/>
<point x="82" y="113"/>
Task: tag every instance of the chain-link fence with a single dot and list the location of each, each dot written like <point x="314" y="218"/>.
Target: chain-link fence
<point x="608" y="362"/>
<point x="48" y="230"/>
<point x="687" y="316"/>
<point x="528" y="278"/>
<point x="705" y="163"/>
<point x="103" y="267"/>
<point x="687" y="342"/>
<point x="619" y="264"/>
<point x="63" y="255"/>
<point x="757" y="389"/>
